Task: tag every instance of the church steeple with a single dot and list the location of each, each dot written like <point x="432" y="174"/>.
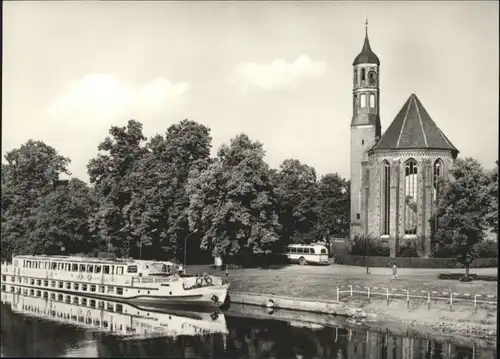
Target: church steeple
<point x="366" y="56"/>
<point x="365" y="128"/>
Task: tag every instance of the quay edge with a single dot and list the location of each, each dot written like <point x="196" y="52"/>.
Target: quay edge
<point x="279" y="302"/>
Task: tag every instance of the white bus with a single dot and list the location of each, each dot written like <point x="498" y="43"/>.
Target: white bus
<point x="307" y="253"/>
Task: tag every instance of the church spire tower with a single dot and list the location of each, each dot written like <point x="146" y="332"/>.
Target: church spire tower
<point x="365" y="128"/>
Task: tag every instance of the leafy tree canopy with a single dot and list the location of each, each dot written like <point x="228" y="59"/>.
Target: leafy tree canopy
<point x="232" y="201"/>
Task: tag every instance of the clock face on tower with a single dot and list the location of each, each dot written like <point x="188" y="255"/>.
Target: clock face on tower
<point x="372" y="78"/>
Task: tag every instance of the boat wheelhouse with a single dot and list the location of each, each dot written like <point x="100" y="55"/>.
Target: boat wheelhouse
<point x="150" y="282"/>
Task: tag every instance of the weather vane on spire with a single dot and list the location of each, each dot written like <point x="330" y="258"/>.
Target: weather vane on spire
<point x="366" y="26"/>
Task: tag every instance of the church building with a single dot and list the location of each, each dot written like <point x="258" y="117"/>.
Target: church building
<point x="394" y="176"/>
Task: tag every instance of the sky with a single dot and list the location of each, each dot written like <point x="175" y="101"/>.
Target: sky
<point x="280" y="72"/>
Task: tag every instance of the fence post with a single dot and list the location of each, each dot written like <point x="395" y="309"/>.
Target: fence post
<point x="428" y="300"/>
<point x="407" y="299"/>
<point x="351" y="290"/>
<point x="451" y="301"/>
<point x="387" y="295"/>
<point x="338" y="294"/>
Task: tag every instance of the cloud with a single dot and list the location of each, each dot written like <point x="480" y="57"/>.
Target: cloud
<point x="103" y="99"/>
<point x="278" y="74"/>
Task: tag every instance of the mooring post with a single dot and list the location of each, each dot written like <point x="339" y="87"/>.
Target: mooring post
<point x="428" y="300"/>
<point x="407" y="299"/>
<point x="351" y="290"/>
<point x="338" y="294"/>
<point x="368" y="292"/>
<point x="451" y="301"/>
<point x="387" y="295"/>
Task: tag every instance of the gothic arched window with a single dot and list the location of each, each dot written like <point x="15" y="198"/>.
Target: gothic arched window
<point x="363" y="100"/>
<point x="438" y="173"/>
<point x="386" y="195"/>
<point x="411" y="191"/>
<point x="363" y="74"/>
<point x="372" y="100"/>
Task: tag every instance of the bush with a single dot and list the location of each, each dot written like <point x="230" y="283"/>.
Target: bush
<point x="357" y="246"/>
<point x="487" y="249"/>
<point x="408" y="251"/>
<point x="408" y="262"/>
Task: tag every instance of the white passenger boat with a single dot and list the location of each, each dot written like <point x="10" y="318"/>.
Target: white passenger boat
<point x="135" y="281"/>
<point x="119" y="319"/>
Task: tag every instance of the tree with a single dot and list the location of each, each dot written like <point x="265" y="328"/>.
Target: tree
<point x="114" y="175"/>
<point x="60" y="220"/>
<point x="460" y="209"/>
<point x="296" y="192"/>
<point x="232" y="201"/>
<point x="333" y="206"/>
<point x="26" y="178"/>
<point x="158" y="208"/>
<point x="491" y="191"/>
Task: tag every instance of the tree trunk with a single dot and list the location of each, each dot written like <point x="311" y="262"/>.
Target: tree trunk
<point x="467" y="269"/>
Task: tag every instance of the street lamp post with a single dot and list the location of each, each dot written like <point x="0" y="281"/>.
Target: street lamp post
<point x="185" y="248"/>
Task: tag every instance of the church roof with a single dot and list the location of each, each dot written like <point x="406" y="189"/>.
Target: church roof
<point x="413" y="128"/>
<point x="366" y="56"/>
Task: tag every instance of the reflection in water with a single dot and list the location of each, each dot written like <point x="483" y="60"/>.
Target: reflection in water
<point x="36" y="326"/>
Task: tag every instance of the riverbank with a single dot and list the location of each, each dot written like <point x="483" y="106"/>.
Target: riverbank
<point x="397" y="316"/>
<point x="396" y="327"/>
<point x="300" y="284"/>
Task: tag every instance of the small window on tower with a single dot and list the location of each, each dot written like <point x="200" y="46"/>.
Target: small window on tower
<point x="363" y="100"/>
<point x="363" y="74"/>
<point x="362" y="142"/>
<point x="372" y="101"/>
<point x="358" y="216"/>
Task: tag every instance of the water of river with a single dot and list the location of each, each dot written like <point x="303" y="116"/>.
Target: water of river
<point x="41" y="324"/>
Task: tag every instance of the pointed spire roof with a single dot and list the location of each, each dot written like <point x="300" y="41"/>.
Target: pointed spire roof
<point x="366" y="56"/>
<point x="413" y="128"/>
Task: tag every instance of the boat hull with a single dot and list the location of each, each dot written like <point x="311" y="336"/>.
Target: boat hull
<point x="213" y="297"/>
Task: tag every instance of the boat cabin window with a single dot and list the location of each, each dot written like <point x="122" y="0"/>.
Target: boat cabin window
<point x="119" y="270"/>
<point x="67" y="267"/>
<point x="97" y="269"/>
<point x="105" y="269"/>
<point x="74" y="267"/>
<point x="323" y="251"/>
<point x="47" y="265"/>
<point x="35" y="265"/>
<point x="90" y="268"/>
<point x="82" y="268"/>
<point x="53" y="265"/>
<point x="132" y="269"/>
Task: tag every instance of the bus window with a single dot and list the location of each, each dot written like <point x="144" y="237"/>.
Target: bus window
<point x="300" y="250"/>
<point x="323" y="251"/>
<point x="82" y="267"/>
<point x="90" y="268"/>
<point x="74" y="267"/>
<point x="105" y="269"/>
<point x="119" y="270"/>
<point x="97" y="269"/>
